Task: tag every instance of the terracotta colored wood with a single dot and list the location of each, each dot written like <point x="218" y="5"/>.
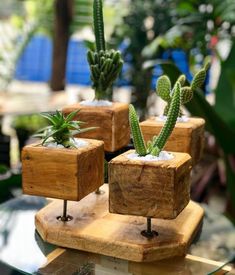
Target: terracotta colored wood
<point x="68" y="174"/>
<point x="95" y="230"/>
<point x="112" y="123"/>
<point x="187" y="137"/>
<point x="159" y="189"/>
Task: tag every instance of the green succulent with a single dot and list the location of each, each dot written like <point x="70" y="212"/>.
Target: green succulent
<point x="163" y="87"/>
<point x="155" y="146"/>
<point x="61" y="129"/>
<point x="105" y="65"/>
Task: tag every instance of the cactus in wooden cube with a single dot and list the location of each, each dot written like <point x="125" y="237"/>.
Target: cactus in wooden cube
<point x="155" y="146"/>
<point x="105" y="65"/>
<point x="163" y="87"/>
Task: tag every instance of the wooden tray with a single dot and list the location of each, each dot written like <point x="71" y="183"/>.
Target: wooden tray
<point x="94" y="229"/>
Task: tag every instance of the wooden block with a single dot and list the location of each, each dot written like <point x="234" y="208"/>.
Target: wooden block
<point x="95" y="230"/>
<point x="159" y="189"/>
<point x="112" y="123"/>
<point x="187" y="137"/>
<point x="68" y="174"/>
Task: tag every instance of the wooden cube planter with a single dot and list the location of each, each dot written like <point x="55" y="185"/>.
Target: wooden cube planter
<point x="187" y="137"/>
<point x="158" y="189"/>
<point x="68" y="174"/>
<point x="112" y="122"/>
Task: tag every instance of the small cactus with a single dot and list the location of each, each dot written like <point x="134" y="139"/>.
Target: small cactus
<point x="105" y="65"/>
<point x="186" y="92"/>
<point x="155" y="146"/>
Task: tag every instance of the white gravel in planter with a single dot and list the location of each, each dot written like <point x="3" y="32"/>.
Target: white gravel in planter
<point x="78" y="143"/>
<point x="96" y="103"/>
<point x="162" y="156"/>
<point x="179" y="119"/>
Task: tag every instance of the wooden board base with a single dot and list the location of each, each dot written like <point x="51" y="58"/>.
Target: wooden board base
<point x="94" y="229"/>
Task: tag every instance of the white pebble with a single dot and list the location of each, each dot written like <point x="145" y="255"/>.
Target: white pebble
<point x="77" y="142"/>
<point x="179" y="119"/>
<point x="162" y="156"/>
<point x="96" y="103"/>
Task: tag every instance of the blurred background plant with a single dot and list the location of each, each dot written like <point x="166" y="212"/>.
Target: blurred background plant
<point x="27" y="125"/>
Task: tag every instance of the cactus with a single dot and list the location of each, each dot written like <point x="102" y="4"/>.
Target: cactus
<point x="159" y="142"/>
<point x="186" y="92"/>
<point x="105" y="65"/>
<point x="136" y="132"/>
<point x="99" y="25"/>
<point x="155" y="146"/>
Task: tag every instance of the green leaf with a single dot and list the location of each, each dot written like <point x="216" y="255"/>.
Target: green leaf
<point x="72" y="115"/>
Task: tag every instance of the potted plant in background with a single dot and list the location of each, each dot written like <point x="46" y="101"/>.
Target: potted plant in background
<point x="150" y="182"/>
<point x="25" y="126"/>
<point x="188" y="134"/>
<point x="62" y="166"/>
<point x="111" y="118"/>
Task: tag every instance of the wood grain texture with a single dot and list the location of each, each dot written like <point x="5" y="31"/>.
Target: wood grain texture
<point x="159" y="189"/>
<point x="187" y="137"/>
<point x="112" y="123"/>
<point x="95" y="230"/>
<point x="68" y="174"/>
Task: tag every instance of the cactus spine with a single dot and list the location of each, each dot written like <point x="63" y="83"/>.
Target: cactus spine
<point x="136" y="132"/>
<point x="105" y="65"/>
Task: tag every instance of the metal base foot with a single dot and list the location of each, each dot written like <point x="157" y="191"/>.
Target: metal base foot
<point x="149" y="233"/>
<point x="65" y="217"/>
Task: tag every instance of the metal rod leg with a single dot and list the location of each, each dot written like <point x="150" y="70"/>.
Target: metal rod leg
<point x="98" y="191"/>
<point x="65" y="217"/>
<point x="149" y="233"/>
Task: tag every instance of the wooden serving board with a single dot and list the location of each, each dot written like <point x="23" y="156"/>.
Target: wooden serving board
<point x="94" y="229"/>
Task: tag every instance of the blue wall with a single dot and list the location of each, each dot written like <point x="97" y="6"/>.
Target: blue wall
<point x="35" y="63"/>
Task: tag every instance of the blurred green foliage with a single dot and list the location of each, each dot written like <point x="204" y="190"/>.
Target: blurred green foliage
<point x="31" y="123"/>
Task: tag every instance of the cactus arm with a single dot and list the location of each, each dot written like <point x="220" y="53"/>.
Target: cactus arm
<point x="187" y="94"/>
<point x="198" y="79"/>
<point x="136" y="132"/>
<point x="181" y="79"/>
<point x="163" y="88"/>
<point x="169" y="125"/>
<point x="99" y="25"/>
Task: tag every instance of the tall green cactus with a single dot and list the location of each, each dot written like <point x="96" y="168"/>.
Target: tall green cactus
<point x="105" y="65"/>
<point x="159" y="142"/>
<point x="155" y="146"/>
<point x="186" y="92"/>
<point x="136" y="132"/>
<point x="99" y="25"/>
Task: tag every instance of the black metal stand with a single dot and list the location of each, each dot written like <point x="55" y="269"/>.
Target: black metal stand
<point x="98" y="192"/>
<point x="65" y="217"/>
<point x="149" y="233"/>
